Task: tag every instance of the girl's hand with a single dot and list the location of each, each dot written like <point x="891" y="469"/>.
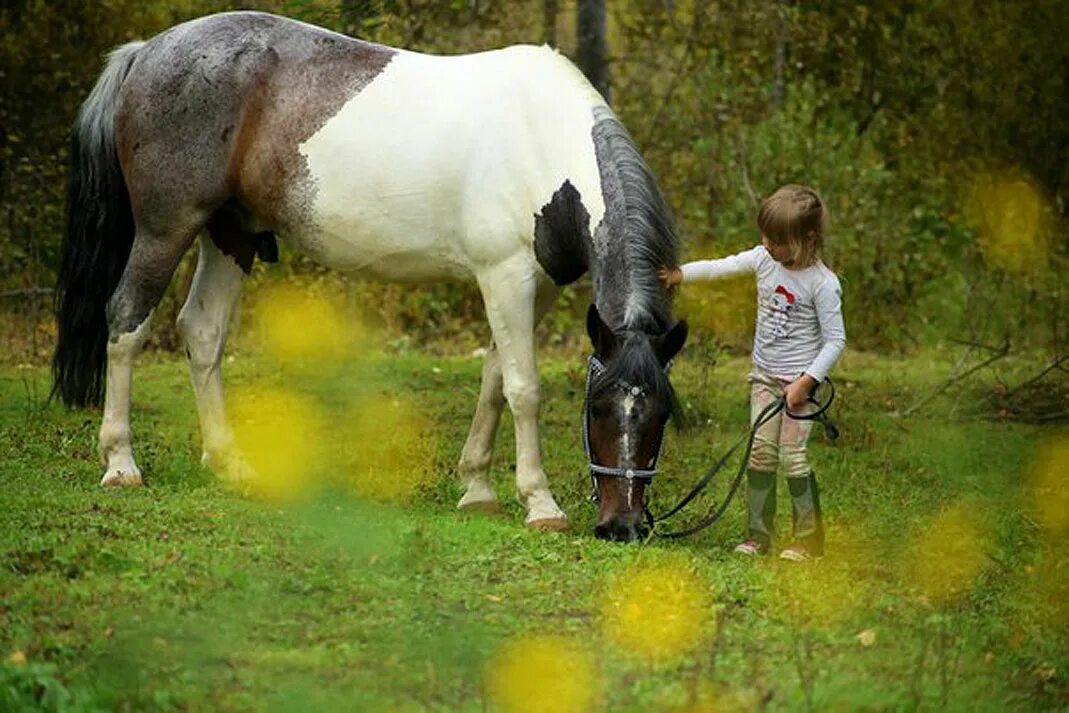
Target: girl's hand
<point x="797" y="392"/>
<point x="670" y="276"/>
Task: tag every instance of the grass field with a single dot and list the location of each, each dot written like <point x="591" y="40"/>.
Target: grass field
<point x="945" y="586"/>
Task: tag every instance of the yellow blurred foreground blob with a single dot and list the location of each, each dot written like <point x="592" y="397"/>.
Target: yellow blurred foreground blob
<point x="1012" y="219"/>
<point x="821" y="594"/>
<point x="657" y="612"/>
<point x="540" y="674"/>
<point x="949" y="552"/>
<point x="1048" y="485"/>
<point x="281" y="437"/>
<point x="389" y="449"/>
<point x="716" y="699"/>
<point x="295" y="324"/>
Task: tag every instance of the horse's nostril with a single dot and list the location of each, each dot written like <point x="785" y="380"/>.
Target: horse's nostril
<point x="620" y="531"/>
<point x="634" y="532"/>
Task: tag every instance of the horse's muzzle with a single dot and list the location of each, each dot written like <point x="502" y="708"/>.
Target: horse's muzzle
<point x="621" y="530"/>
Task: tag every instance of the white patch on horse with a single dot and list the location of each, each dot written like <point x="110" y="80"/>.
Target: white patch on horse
<point x="403" y="198"/>
<point x="627" y="407"/>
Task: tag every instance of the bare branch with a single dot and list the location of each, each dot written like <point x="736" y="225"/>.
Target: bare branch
<point x="27" y="292"/>
<point x="740" y="152"/>
<point x="655" y="119"/>
<point x="1003" y="351"/>
<point x="1056" y="364"/>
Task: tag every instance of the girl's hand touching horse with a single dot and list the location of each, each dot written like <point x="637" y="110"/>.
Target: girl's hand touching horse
<point x="670" y="276"/>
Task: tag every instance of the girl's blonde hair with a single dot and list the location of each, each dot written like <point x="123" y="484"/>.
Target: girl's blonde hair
<point x="795" y="215"/>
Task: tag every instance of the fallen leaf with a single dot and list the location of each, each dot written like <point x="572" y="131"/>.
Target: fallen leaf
<point x="17" y="658"/>
<point x="1046" y="672"/>
<point x="866" y="637"/>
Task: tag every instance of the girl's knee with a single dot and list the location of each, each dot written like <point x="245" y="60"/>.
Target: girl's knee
<point x="794" y="462"/>
<point x="764" y="456"/>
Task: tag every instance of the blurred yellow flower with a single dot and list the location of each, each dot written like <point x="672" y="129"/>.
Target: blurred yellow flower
<point x="1048" y="485"/>
<point x="1012" y="219"/>
<point x="711" y="699"/>
<point x="657" y="612"/>
<point x="949" y="552"/>
<point x="541" y="674"/>
<point x="822" y="593"/>
<point x="390" y="450"/>
<point x="280" y="435"/>
<point x="295" y="324"/>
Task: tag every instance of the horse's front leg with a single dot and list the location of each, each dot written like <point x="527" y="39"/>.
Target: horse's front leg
<point x="203" y="324"/>
<point x="474" y="466"/>
<point x="509" y="293"/>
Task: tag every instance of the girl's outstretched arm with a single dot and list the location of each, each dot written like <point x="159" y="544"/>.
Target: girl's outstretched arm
<point x="738" y="264"/>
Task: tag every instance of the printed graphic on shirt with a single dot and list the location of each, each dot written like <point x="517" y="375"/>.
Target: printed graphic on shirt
<point x="779" y="306"/>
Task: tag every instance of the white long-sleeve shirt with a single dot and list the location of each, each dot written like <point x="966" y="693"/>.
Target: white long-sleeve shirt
<point x="799" y="312"/>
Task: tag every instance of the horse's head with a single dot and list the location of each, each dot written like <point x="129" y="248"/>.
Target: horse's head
<point x="628" y="402"/>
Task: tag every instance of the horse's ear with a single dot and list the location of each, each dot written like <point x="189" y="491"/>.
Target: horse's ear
<point x="669" y="344"/>
<point x="601" y="336"/>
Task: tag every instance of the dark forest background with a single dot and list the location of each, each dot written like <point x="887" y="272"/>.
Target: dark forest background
<point x="937" y="131"/>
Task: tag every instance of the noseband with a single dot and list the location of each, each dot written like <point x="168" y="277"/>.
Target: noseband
<point x="594" y="369"/>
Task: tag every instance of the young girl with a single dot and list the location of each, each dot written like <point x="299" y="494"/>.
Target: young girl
<point x="799" y="337"/>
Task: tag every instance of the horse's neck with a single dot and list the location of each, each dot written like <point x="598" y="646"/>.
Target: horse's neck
<point x="627" y="292"/>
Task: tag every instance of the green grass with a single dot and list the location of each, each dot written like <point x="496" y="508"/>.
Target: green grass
<point x="185" y="596"/>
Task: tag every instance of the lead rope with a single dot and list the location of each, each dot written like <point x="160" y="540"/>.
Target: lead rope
<point x="766" y="415"/>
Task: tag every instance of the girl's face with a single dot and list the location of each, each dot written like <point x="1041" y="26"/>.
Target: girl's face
<point x="780" y="252"/>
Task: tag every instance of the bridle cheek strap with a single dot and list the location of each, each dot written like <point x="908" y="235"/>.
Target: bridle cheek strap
<point x="594" y="369"/>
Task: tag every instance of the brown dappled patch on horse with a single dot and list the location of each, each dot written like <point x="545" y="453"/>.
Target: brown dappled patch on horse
<point x="284" y="108"/>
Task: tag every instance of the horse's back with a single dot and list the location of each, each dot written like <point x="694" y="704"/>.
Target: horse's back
<point x="397" y="163"/>
<point x="450" y="156"/>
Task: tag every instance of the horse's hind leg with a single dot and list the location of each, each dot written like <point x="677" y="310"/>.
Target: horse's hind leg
<point x="474" y="464"/>
<point x="152" y="262"/>
<point x="203" y="324"/>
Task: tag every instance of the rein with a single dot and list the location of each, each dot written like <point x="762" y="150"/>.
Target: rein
<point x="595" y="367"/>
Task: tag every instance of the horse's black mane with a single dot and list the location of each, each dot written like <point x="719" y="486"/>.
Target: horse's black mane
<point x="635" y="237"/>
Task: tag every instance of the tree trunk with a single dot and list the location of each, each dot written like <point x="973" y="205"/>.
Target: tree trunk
<point x="591" y="54"/>
<point x="549" y="22"/>
<point x="779" y="84"/>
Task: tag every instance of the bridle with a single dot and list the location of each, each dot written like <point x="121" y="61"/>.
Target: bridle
<point x="596" y="368"/>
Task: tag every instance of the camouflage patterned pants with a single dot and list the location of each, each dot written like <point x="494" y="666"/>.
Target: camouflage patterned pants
<point x="781" y="440"/>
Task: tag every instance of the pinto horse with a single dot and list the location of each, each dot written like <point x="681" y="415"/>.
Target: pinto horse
<point x="505" y="167"/>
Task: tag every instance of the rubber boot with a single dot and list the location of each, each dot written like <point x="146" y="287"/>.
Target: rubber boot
<point x="761" y="494"/>
<point x="808" y="521"/>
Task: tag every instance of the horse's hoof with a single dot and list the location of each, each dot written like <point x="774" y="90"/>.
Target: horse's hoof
<point x="120" y="479"/>
<point x="481" y="507"/>
<point x="549" y="524"/>
<point x="231" y="467"/>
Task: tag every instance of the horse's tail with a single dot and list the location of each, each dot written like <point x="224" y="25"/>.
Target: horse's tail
<point x="100" y="232"/>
